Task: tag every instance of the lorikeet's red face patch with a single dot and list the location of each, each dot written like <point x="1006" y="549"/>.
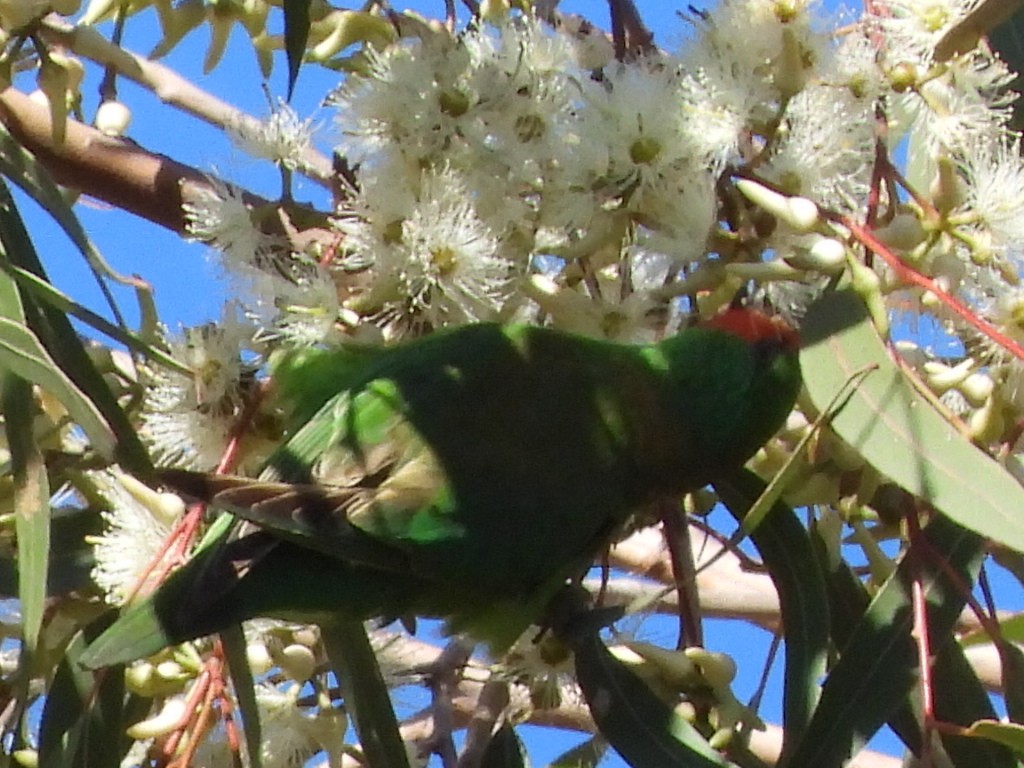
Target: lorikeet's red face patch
<point x="754" y="327"/>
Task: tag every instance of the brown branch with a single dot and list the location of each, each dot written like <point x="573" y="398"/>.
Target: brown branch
<point x="116" y="171"/>
<point x="167" y="85"/>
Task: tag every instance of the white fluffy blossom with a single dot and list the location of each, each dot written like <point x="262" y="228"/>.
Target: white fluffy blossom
<point x="188" y="419"/>
<point x="826" y="148"/>
<point x="289" y="733"/>
<point x="134" y="533"/>
<point x="438" y="263"/>
<point x="283" y="138"/>
<point x="995" y="191"/>
<point x="218" y="215"/>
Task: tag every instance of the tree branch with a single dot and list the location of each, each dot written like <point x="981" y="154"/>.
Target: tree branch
<point x="167" y="85"/>
<point x="116" y="171"/>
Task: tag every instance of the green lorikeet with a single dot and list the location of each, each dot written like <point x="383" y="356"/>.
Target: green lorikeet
<point x="466" y="475"/>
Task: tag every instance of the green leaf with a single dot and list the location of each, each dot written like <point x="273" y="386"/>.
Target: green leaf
<point x="1011" y="628"/>
<point x="1011" y="664"/>
<point x="49" y="295"/>
<point x="645" y="731"/>
<point x="366" y="695"/>
<point x="1009" y="734"/>
<point x="877" y="666"/>
<point x="586" y="754"/>
<point x="31" y="506"/>
<point x="897" y="431"/>
<point x="296" y="33"/>
<point x="959" y="696"/>
<point x="82" y="725"/>
<point x="233" y="640"/>
<point x="505" y="750"/>
<point x="789" y="558"/>
<point x="52" y="329"/>
<point x="24" y="355"/>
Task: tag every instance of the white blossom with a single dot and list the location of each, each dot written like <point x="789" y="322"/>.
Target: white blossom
<point x="188" y="419"/>
<point x="283" y="138"/>
<point x="995" y="191"/>
<point x="217" y="215"/>
<point x="133" y="536"/>
<point x="288" y="732"/>
<point x="440" y="263"/>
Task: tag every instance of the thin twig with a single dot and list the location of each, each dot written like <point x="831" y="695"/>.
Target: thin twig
<point x="167" y="85"/>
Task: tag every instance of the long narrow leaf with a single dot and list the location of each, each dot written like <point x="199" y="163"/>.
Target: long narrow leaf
<point x="366" y="695"/>
<point x="296" y="33"/>
<point x="80" y="726"/>
<point x="878" y="665"/>
<point x="645" y="731"/>
<point x="23" y="354"/>
<point x="233" y="639"/>
<point x="55" y="332"/>
<point x="31" y="506"/>
<point x="803" y="598"/>
<point x="959" y="696"/>
<point x="897" y="431"/>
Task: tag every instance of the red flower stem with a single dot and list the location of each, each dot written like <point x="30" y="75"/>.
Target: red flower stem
<point x="910" y="275"/>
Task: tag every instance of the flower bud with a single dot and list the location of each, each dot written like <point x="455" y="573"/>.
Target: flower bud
<point x="674" y="667"/>
<point x="941" y="377"/>
<point x="717" y="669"/>
<point x="113" y="118"/>
<point x="494" y="11"/>
<point x="868" y="286"/>
<point x="799" y="212"/>
<point x="307" y="636"/>
<point x="977" y="388"/>
<point x="351" y="27"/>
<point x="987" y="424"/>
<point x="297" y="662"/>
<point x="165" y="507"/>
<point x="903" y="233"/>
<point x="26" y="758"/>
<point x="259" y="658"/>
<point x="169" y="718"/>
<point x="52" y="80"/>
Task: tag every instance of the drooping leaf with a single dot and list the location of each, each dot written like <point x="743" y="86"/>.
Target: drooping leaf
<point x="296" y="33"/>
<point x="786" y="550"/>
<point x="366" y="695"/>
<point x="54" y="332"/>
<point x="49" y="295"/>
<point x="877" y="666"/>
<point x="233" y="639"/>
<point x="897" y="431"/>
<point x="31" y="505"/>
<point x="645" y="731"/>
<point x="77" y="728"/>
<point x="22" y="353"/>
<point x="505" y="750"/>
<point x="586" y="754"/>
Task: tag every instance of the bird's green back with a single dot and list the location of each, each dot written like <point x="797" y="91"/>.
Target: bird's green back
<point x="542" y="443"/>
<point x="465" y="475"/>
